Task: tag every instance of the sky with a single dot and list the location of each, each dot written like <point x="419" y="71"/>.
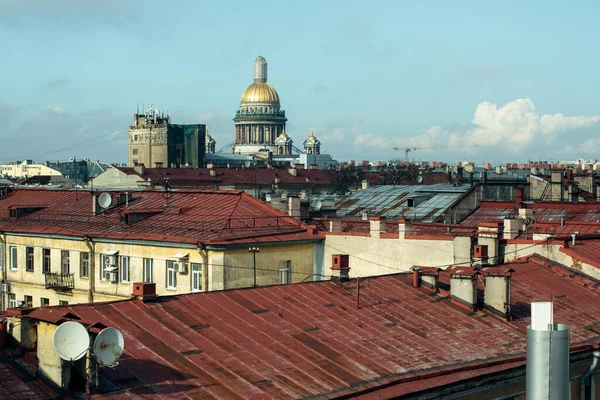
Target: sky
<point x="462" y="80"/>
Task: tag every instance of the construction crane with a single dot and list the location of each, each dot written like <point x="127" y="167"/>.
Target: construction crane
<point x="409" y="149"/>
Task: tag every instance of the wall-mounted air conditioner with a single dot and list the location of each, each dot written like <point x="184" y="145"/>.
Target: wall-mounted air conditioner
<point x="181" y="267"/>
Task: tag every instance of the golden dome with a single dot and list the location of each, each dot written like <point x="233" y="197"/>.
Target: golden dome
<point x="311" y="137"/>
<point x="283" y="134"/>
<point x="260" y="92"/>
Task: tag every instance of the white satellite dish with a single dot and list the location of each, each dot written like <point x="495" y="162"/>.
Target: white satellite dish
<point x="317" y="204"/>
<point x="419" y="179"/>
<point x="108" y="347"/>
<point x="71" y="341"/>
<point x="247" y="164"/>
<point x="105" y="200"/>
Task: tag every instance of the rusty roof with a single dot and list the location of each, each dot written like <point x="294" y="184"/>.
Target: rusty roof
<point x="309" y="340"/>
<point x="19" y="379"/>
<point x="585" y="250"/>
<point x="185" y="216"/>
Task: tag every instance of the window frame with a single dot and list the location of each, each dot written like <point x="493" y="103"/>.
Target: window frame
<point x="148" y="263"/>
<point x="285" y="274"/>
<point x="84" y="265"/>
<point x="124" y="272"/>
<point x="47" y="260"/>
<point x="63" y="303"/>
<point x="42" y="301"/>
<point x="14" y="258"/>
<point x="29" y="258"/>
<point x="65" y="262"/>
<point x="28" y="299"/>
<point x="194" y="272"/>
<point x="12" y="300"/>
<point x="171" y="281"/>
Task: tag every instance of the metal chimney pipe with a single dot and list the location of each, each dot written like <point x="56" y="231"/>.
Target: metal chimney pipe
<point x="547" y="356"/>
<point x="573" y="236"/>
<point x="416" y="277"/>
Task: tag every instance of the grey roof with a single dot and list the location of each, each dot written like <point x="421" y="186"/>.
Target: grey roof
<point x="417" y="202"/>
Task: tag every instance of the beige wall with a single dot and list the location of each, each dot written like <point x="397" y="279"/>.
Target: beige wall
<point x="372" y="256"/>
<point x="23" y="169"/>
<point x="151" y="145"/>
<point x="113" y="178"/>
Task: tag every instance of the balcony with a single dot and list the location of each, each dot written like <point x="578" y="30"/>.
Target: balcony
<point x="58" y="281"/>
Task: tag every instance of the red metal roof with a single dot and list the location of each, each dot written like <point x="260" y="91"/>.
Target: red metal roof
<point x="585" y="250"/>
<point x="18" y="378"/>
<point x="186" y="216"/>
<point x="302" y="340"/>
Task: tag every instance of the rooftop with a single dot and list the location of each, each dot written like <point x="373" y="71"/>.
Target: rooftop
<point x="186" y="216"/>
<point x="307" y="340"/>
<point x="19" y="380"/>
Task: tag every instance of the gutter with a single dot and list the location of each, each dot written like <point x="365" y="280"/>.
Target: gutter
<point x="4" y="265"/>
<point x="204" y="254"/>
<point x="587" y="386"/>
<point x="92" y="273"/>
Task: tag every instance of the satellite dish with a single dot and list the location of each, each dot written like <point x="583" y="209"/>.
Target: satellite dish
<point x="317" y="204"/>
<point x="105" y="200"/>
<point x="419" y="179"/>
<point x="108" y="347"/>
<point x="71" y="341"/>
<point x="247" y="164"/>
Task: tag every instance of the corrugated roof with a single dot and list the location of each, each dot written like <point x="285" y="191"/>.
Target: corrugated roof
<point x="303" y="340"/>
<point x="180" y="216"/>
<point x="429" y="201"/>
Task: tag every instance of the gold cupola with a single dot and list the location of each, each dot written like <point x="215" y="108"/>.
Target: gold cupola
<point x="260" y="91"/>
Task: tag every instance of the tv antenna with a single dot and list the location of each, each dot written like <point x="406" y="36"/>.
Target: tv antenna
<point x="105" y="200"/>
<point x="71" y="341"/>
<point x="108" y="347"/>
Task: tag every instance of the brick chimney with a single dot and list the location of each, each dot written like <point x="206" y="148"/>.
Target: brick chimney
<point x="145" y="291"/>
<point x="139" y="169"/>
<point x="377" y="225"/>
<point x="335" y="225"/>
<point x="463" y="284"/>
<point x="511" y="228"/>
<point x="496" y="295"/>
<point x="403" y="227"/>
<point x="488" y="234"/>
<point x="294" y="206"/>
<point x="340" y="267"/>
<point x="427" y="276"/>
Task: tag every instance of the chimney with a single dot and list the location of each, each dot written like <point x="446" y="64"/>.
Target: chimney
<point x="213" y="172"/>
<point x="335" y="225"/>
<point x="340" y="267"/>
<point x="377" y="226"/>
<point x="519" y="196"/>
<point x="498" y="170"/>
<point x="511" y="228"/>
<point x="416" y="277"/>
<point x="293" y="171"/>
<point x="534" y="171"/>
<point x="139" y="169"/>
<point x="480" y="254"/>
<point x="365" y="184"/>
<point x="145" y="291"/>
<point x="94" y="203"/>
<point x="463" y="284"/>
<point x="427" y="276"/>
<point x="403" y="227"/>
<point x="294" y="206"/>
<point x="488" y="234"/>
<point x="210" y="165"/>
<point x="496" y="295"/>
<point x="364" y="215"/>
<point x="547" y="371"/>
<point x="570" y="174"/>
<point x="313" y="166"/>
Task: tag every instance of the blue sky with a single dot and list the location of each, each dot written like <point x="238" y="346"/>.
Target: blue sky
<point x="487" y="80"/>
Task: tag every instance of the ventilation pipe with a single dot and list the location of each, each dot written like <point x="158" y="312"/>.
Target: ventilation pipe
<point x="587" y="387"/>
<point x="547" y="355"/>
<point x="573" y="236"/>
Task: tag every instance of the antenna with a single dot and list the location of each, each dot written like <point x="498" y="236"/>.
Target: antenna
<point x="108" y="347"/>
<point x="105" y="200"/>
<point x="71" y="341"/>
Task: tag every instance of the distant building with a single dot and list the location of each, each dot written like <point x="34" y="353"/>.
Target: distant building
<point x="155" y="142"/>
<point x="260" y="121"/>
<point x="27" y="168"/>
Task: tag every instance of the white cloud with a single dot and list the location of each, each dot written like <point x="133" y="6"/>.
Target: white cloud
<point x="513" y="127"/>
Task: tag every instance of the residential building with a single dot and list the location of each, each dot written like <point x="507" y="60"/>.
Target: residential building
<point x="412" y="336"/>
<point x="155" y="142"/>
<point x="27" y="168"/>
<point x="81" y="246"/>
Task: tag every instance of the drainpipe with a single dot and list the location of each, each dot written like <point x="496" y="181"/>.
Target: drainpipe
<point x="587" y="387"/>
<point x="202" y="251"/>
<point x="92" y="248"/>
<point x="4" y="269"/>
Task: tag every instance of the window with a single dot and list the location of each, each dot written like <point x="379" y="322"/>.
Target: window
<point x="148" y="270"/>
<point x="134" y="152"/>
<point x="29" y="259"/>
<point x="63" y="303"/>
<point x="171" y="275"/>
<point x="13" y="257"/>
<point x="46" y="254"/>
<point x="84" y="267"/>
<point x="285" y="274"/>
<point x="28" y="301"/>
<point x="12" y="300"/>
<point x="65" y="263"/>
<point x="44" y="301"/>
<point x="196" y="277"/>
<point x="124" y="269"/>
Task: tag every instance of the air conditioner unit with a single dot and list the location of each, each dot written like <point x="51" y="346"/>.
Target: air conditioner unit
<point x="181" y="267"/>
<point x="20" y="303"/>
<point x="110" y="261"/>
<point x="112" y="277"/>
<point x="5" y="287"/>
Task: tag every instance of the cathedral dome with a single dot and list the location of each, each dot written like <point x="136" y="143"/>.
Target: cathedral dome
<point x="260" y="92"/>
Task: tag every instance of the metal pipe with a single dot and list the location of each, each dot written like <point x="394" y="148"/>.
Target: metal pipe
<point x="587" y="389"/>
<point x="4" y="265"/>
<point x="416" y="277"/>
<point x="92" y="273"/>
<point x="204" y="255"/>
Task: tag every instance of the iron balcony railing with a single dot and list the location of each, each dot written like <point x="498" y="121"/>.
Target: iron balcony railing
<point x="59" y="281"/>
